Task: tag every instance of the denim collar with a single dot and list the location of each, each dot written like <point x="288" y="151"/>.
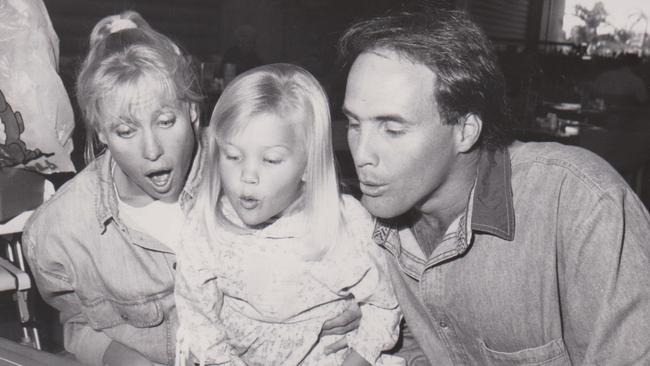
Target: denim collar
<point x="491" y="210"/>
<point x="106" y="201"/>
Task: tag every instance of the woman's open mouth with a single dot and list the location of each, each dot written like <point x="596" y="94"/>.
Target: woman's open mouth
<point x="160" y="178"/>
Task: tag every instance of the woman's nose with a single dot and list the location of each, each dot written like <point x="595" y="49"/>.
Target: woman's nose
<point x="152" y="147"/>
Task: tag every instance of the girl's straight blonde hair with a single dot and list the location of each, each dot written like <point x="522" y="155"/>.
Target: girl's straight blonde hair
<point x="287" y="91"/>
<point x="127" y="57"/>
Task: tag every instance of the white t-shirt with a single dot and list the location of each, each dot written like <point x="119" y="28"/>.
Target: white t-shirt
<point x="161" y="220"/>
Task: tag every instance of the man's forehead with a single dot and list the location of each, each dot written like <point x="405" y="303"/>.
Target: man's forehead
<point x="383" y="82"/>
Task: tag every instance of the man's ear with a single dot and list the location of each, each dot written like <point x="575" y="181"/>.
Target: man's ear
<point x="468" y="131"/>
<point x="194" y="114"/>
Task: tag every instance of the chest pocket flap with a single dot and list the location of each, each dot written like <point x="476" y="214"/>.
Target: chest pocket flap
<point x="108" y="313"/>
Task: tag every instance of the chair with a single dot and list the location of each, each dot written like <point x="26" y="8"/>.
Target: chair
<point x="13" y="274"/>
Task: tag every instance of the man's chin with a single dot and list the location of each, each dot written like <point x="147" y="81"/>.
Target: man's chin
<point x="381" y="207"/>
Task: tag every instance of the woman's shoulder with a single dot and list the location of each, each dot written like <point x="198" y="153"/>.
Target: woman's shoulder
<point x="74" y="202"/>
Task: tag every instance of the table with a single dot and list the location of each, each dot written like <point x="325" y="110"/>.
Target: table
<point x="14" y="354"/>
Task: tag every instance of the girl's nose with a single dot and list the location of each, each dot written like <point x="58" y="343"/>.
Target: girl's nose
<point x="249" y="175"/>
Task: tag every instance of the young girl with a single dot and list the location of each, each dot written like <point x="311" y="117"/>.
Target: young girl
<point x="102" y="249"/>
<point x="273" y="249"/>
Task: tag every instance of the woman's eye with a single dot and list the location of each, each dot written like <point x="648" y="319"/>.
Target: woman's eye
<point x="125" y="131"/>
<point x="273" y="161"/>
<point x="167" y="122"/>
<point x="232" y="157"/>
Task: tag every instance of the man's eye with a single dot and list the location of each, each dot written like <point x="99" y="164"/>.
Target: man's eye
<point x="394" y="129"/>
<point x="353" y="125"/>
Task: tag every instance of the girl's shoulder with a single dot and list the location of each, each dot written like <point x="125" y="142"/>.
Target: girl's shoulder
<point x="353" y="209"/>
<point x="356" y="219"/>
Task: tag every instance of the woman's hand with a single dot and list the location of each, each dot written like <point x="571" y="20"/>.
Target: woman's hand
<point x="341" y="325"/>
<point x="118" y="354"/>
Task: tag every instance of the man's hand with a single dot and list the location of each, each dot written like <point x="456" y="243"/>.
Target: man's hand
<point x="118" y="354"/>
<point x="341" y="325"/>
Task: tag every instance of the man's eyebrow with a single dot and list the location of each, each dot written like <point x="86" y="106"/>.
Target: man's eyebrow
<point x="391" y="118"/>
<point x="380" y="118"/>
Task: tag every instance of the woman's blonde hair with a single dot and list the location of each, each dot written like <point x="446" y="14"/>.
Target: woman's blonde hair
<point x="288" y="91"/>
<point x="125" y="54"/>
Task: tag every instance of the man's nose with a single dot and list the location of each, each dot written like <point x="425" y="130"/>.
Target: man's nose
<point x="152" y="147"/>
<point x="362" y="147"/>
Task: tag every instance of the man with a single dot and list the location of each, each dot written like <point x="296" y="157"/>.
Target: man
<point x="500" y="252"/>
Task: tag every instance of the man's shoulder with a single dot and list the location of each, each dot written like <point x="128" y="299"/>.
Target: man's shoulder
<point x="555" y="160"/>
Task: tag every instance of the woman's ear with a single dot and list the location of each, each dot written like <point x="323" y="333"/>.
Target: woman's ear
<point x="102" y="137"/>
<point x="468" y="131"/>
<point x="194" y="114"/>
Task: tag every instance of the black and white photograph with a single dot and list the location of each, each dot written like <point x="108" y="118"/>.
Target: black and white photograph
<point x="324" y="182"/>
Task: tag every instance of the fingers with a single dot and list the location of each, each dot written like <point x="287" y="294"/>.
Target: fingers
<point x="345" y="322"/>
<point x="342" y="329"/>
<point x="336" y="346"/>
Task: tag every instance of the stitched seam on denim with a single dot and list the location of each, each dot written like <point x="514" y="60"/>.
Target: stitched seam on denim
<point x="52" y="274"/>
<point x="507" y="172"/>
<point x="571" y="168"/>
<point x="441" y="258"/>
<point x="408" y="268"/>
<point x="147" y="300"/>
<point x="490" y="229"/>
<point x="507" y="179"/>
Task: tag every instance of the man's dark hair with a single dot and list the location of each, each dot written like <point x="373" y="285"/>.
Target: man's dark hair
<point x="456" y="50"/>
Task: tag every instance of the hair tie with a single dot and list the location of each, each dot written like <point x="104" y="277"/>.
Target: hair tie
<point x="120" y="25"/>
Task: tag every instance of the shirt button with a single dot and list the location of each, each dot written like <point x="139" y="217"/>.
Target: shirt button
<point x="443" y="324"/>
<point x="174" y="266"/>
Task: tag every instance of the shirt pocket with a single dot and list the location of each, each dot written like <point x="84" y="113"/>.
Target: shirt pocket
<point x="551" y="354"/>
<point x="108" y="313"/>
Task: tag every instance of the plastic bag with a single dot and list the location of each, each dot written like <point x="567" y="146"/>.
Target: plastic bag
<point x="36" y="117"/>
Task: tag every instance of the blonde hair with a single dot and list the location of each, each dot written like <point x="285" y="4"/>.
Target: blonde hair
<point x="126" y="52"/>
<point x="287" y="90"/>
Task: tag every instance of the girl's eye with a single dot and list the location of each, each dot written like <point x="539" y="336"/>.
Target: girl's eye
<point x="232" y="157"/>
<point x="273" y="161"/>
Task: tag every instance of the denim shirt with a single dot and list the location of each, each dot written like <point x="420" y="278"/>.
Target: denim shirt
<point x="108" y="281"/>
<point x="549" y="265"/>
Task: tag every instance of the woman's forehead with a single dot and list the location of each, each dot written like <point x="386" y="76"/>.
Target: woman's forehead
<point x="138" y="99"/>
